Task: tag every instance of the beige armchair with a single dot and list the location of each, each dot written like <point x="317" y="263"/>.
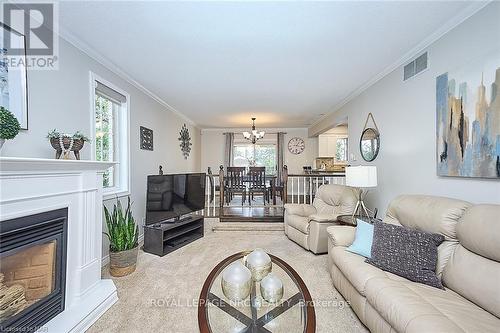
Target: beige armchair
<point x="306" y="224"/>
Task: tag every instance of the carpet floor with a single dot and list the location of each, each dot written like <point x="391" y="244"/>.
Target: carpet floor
<point x="159" y="295"/>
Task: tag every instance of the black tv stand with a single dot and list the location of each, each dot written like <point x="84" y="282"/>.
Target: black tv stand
<point x="162" y="238"/>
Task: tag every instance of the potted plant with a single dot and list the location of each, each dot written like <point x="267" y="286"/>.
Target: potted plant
<point x="9" y="125"/>
<point x="122" y="234"/>
<point x="64" y="143"/>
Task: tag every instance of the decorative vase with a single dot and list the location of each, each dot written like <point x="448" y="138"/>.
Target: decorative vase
<point x="259" y="264"/>
<point x="271" y="288"/>
<point x="236" y="281"/>
<point x="77" y="146"/>
<point x="123" y="262"/>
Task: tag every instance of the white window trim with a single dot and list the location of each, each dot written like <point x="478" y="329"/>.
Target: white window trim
<point x="124" y="142"/>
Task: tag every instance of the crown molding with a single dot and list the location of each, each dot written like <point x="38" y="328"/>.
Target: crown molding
<point x="242" y="129"/>
<point x="68" y="36"/>
<point x="458" y="19"/>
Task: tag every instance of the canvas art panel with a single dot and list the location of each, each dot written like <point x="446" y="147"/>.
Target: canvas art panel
<point x="468" y="120"/>
<point x="13" y="80"/>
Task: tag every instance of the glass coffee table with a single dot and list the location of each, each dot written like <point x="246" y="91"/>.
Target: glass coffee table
<point x="293" y="313"/>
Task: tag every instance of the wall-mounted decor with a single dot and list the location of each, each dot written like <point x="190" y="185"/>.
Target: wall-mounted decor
<point x="14" y="79"/>
<point x="369" y="143"/>
<point x="468" y="121"/>
<point x="65" y="143"/>
<point x="146" y="138"/>
<point x="296" y="146"/>
<point x="185" y="140"/>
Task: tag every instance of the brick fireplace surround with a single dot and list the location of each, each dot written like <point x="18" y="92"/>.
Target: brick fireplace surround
<point x="31" y="186"/>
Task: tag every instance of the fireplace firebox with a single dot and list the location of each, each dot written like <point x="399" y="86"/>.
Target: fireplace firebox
<point x="32" y="270"/>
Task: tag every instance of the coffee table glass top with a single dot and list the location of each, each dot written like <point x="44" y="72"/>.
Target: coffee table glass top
<point x="293" y="313"/>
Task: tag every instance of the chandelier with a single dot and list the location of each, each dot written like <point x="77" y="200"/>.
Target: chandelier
<point x="254" y="135"/>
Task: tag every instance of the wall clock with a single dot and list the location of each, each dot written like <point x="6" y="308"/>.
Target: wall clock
<point x="296" y="146"/>
<point x="185" y="140"/>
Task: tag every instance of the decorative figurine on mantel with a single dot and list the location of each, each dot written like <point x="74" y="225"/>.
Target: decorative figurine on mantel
<point x="65" y="143"/>
<point x="160" y="171"/>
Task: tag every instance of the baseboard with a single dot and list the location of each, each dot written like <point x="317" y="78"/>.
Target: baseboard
<point x="105" y="259"/>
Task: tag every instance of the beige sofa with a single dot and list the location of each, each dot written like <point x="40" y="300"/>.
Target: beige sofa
<point x="468" y="265"/>
<point x="306" y="224"/>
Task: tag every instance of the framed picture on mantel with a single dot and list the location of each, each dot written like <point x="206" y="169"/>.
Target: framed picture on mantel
<point x="13" y="75"/>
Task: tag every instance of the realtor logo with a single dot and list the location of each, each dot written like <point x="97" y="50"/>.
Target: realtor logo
<point x="29" y="34"/>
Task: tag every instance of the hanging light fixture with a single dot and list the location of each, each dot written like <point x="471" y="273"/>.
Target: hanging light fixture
<point x="254" y="135"/>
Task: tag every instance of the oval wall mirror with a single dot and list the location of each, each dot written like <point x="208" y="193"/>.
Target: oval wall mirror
<point x="369" y="144"/>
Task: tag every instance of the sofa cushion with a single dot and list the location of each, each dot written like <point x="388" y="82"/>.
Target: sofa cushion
<point x="406" y="252"/>
<point x="474" y="277"/>
<point x="479" y="231"/>
<point x="436" y="215"/>
<point x="412" y="307"/>
<point x="354" y="268"/>
<point x="362" y="244"/>
<point x="298" y="222"/>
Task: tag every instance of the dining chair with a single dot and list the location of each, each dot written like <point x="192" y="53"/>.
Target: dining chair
<point x="235" y="184"/>
<point x="258" y="185"/>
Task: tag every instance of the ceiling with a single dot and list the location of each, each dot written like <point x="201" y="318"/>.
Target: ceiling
<point x="286" y="63"/>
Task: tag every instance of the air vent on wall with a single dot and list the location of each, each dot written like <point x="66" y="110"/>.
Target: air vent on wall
<point x="416" y="66"/>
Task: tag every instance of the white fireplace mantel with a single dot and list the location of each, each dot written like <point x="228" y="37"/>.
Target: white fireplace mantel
<point x="30" y="186"/>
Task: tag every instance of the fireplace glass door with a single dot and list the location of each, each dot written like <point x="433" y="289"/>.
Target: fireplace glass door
<point x="32" y="270"/>
<point x="26" y="277"/>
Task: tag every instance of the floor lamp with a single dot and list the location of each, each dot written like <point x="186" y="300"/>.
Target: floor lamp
<point x="363" y="177"/>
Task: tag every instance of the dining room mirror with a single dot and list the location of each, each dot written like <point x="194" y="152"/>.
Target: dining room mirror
<point x="369" y="143"/>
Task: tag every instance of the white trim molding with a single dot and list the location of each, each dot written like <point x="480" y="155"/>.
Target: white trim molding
<point x="472" y="9"/>
<point x="124" y="173"/>
<point x="65" y="34"/>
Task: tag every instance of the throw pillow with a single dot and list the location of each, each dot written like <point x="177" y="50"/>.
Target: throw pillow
<point x="363" y="238"/>
<point x="409" y="253"/>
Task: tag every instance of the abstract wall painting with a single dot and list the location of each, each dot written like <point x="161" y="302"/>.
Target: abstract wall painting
<point x="468" y="121"/>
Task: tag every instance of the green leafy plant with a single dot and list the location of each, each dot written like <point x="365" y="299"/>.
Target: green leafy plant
<point x="55" y="134"/>
<point x="122" y="229"/>
<point x="9" y="125"/>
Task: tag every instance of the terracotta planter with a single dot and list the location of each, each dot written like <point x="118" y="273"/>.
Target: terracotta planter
<point x="77" y="146"/>
<point x="123" y="263"/>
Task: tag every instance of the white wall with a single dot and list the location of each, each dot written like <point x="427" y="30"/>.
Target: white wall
<point x="405" y="113"/>
<point x="212" y="148"/>
<point x="60" y="99"/>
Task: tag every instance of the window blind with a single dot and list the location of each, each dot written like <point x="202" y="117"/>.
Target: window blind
<point x="109" y="93"/>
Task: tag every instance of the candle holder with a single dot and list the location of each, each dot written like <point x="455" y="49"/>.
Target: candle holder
<point x="259" y="263"/>
<point x="271" y="288"/>
<point x="236" y="282"/>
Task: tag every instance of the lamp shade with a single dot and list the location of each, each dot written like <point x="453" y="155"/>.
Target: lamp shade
<point x="361" y="176"/>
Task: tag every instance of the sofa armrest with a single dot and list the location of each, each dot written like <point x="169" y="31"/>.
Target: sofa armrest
<point x="341" y="235"/>
<point x="300" y="209"/>
<point x="323" y="218"/>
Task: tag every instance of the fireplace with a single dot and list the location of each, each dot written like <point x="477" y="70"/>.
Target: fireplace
<point x="32" y="270"/>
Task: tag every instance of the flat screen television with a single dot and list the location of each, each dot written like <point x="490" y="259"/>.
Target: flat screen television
<point x="171" y="196"/>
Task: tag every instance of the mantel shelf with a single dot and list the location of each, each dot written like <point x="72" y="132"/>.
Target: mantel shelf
<point x="24" y="164"/>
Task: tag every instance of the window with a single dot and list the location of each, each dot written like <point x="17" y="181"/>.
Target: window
<point x="255" y="154"/>
<point x="111" y="135"/>
<point x="341" y="150"/>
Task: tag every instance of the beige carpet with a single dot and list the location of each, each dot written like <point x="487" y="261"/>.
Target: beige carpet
<point x="177" y="279"/>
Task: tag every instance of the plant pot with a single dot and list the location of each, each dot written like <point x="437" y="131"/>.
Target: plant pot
<point x="123" y="263"/>
<point x="77" y="146"/>
<point x="2" y="141"/>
